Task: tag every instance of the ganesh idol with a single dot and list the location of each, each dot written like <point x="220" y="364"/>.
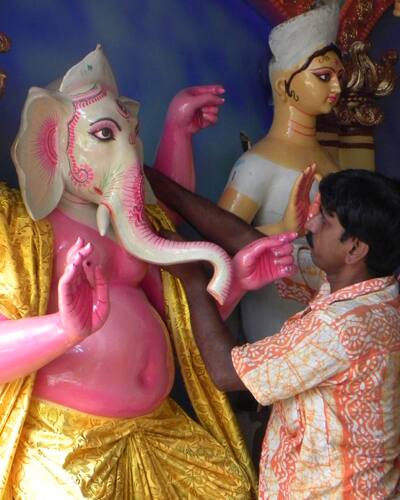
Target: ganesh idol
<point x="86" y="357"/>
<point x="305" y="72"/>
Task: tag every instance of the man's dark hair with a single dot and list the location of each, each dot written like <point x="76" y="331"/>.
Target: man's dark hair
<point x="368" y="207"/>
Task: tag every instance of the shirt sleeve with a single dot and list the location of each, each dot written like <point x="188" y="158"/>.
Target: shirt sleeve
<point x="304" y="354"/>
<point x="305" y="284"/>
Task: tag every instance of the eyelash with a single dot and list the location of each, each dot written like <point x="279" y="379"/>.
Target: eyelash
<point x="102" y="126"/>
<point x="324" y="77"/>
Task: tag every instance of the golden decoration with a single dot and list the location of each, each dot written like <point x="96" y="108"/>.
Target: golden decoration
<point x="5" y="45"/>
<point x="364" y="81"/>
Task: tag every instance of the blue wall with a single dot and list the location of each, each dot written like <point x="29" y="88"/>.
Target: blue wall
<point x="157" y="47"/>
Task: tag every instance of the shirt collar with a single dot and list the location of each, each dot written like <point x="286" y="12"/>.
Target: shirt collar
<point x="325" y="298"/>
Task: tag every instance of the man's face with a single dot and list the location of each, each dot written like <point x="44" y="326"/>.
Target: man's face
<point x="324" y="237"/>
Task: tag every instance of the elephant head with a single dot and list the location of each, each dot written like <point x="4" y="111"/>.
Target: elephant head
<point x="83" y="139"/>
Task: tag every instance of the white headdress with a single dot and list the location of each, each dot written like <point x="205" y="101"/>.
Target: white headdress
<point x="294" y="40"/>
<point x="94" y="68"/>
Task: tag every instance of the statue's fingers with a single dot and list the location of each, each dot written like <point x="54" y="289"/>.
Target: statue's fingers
<point x="207" y="89"/>
<point x="75" y="248"/>
<point x="286" y="260"/>
<point x="283" y="250"/>
<point x="286" y="270"/>
<point x="212" y="110"/>
<point x="210" y="119"/>
<point x="101" y="305"/>
<point x="101" y="287"/>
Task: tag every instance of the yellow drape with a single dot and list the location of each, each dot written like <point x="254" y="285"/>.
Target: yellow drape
<point x="212" y="406"/>
<point x="65" y="454"/>
<point x="25" y="272"/>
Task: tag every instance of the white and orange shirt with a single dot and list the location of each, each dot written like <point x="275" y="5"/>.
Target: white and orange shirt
<point x="333" y="374"/>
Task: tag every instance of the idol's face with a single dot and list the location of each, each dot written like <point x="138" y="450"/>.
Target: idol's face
<point x="316" y="89"/>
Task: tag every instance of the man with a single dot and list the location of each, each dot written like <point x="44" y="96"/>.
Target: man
<point x="332" y="371"/>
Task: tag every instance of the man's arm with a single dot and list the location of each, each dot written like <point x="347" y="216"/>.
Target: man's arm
<point x="212" y="337"/>
<point x="212" y="222"/>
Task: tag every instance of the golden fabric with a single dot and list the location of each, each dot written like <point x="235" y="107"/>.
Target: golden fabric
<point x="67" y="454"/>
<point x="163" y="455"/>
<point x="25" y="272"/>
<point x="212" y="406"/>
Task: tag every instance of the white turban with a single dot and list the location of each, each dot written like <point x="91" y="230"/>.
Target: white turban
<point x="294" y="40"/>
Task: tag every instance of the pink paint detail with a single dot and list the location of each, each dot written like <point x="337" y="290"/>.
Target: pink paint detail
<point x="122" y="110"/>
<point x="46" y="145"/>
<point x="93" y="95"/>
<point x="133" y="196"/>
<point x="98" y="190"/>
<point x="81" y="175"/>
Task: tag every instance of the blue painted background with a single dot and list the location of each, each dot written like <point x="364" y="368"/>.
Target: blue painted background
<point x="157" y="47"/>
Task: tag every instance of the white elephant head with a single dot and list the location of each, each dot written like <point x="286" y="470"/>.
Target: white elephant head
<point x="83" y="139"/>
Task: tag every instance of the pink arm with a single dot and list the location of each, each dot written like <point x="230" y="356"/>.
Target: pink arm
<point x="258" y="264"/>
<point x="30" y="343"/>
<point x="190" y="110"/>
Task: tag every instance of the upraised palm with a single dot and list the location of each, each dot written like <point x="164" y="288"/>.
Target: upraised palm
<point x="298" y="206"/>
<point x="82" y="294"/>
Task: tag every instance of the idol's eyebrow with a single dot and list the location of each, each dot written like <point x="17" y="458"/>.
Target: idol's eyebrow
<point x="106" y="119"/>
<point x="324" y="68"/>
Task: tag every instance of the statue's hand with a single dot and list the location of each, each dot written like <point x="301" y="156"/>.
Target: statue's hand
<point x="195" y="108"/>
<point x="298" y="207"/>
<point x="82" y="295"/>
<point x="264" y="260"/>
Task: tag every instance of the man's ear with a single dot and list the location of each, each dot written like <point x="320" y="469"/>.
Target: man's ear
<point x="358" y="251"/>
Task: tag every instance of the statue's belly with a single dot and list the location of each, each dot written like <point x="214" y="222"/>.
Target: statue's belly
<point x="123" y="370"/>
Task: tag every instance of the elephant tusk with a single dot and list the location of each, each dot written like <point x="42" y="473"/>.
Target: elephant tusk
<point x="103" y="219"/>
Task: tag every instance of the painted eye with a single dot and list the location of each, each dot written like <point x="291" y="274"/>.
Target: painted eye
<point x="104" y="134"/>
<point x="325" y="77"/>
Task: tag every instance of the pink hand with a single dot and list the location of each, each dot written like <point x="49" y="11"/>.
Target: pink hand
<point x="303" y="195"/>
<point x="264" y="260"/>
<point x="195" y="108"/>
<point x="315" y="207"/>
<point x="82" y="295"/>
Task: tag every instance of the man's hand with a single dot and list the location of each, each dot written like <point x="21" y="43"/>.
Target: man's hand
<point x="297" y="210"/>
<point x="195" y="108"/>
<point x="82" y="295"/>
<point x="264" y="261"/>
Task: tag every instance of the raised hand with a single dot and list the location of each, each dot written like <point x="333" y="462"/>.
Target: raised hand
<point x="195" y="108"/>
<point x="264" y="261"/>
<point x="82" y="295"/>
<point x="298" y="207"/>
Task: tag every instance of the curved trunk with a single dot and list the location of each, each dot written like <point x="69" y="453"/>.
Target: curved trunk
<point x="138" y="238"/>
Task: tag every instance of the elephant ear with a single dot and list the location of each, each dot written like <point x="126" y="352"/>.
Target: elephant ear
<point x="131" y="105"/>
<point x="39" y="151"/>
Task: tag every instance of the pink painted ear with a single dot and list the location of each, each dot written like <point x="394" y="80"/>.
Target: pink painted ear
<point x="131" y="105"/>
<point x="39" y="151"/>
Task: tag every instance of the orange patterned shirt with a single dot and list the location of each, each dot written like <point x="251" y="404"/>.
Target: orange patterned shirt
<point x="332" y="373"/>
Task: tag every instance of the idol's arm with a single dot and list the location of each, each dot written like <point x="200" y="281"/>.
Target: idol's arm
<point x="191" y="110"/>
<point x="28" y="344"/>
